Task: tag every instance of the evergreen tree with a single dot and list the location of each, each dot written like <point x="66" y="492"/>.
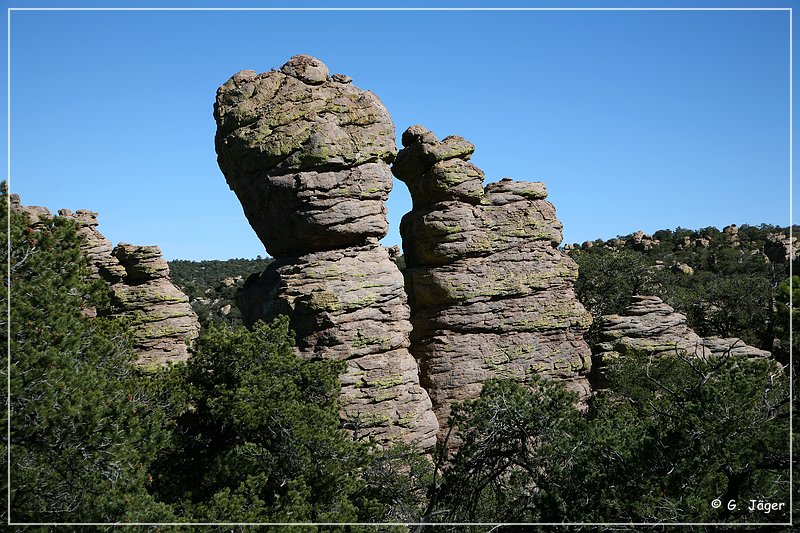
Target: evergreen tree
<point x="261" y="439"/>
<point x="82" y="429"/>
<point x="669" y="437"/>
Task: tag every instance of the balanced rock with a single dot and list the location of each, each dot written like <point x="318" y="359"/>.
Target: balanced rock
<point x="307" y="156"/>
<point x="491" y="295"/>
<point x="651" y="326"/>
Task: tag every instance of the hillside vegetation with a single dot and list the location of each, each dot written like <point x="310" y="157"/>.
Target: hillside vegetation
<point x="728" y="283"/>
<point x="245" y="431"/>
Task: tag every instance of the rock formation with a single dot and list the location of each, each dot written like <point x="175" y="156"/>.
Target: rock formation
<point x="779" y="248"/>
<point x="307" y="155"/>
<point x="490" y="293"/>
<point x="160" y="318"/>
<point x="651" y="326"/>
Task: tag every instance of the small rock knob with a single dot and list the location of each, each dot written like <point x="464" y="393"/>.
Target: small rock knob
<point x="307" y="69"/>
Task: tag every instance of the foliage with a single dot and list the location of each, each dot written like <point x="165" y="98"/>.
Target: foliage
<point x="729" y="294"/>
<point x="83" y="431"/>
<point x="669" y="437"/>
<point x="515" y="454"/>
<point x="261" y="438"/>
<point x="212" y="285"/>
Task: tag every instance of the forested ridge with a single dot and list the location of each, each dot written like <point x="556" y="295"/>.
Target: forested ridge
<point x="247" y="432"/>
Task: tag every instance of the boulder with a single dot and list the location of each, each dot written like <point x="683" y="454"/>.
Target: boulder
<point x="651" y="326"/>
<point x="306" y="156"/>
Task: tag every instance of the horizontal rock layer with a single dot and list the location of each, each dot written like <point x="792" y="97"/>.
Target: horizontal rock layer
<point x="350" y="305"/>
<point x="307" y="154"/>
<point x="161" y="320"/>
<point x="490" y="294"/>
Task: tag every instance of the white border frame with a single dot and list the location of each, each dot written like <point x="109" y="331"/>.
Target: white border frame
<point x="139" y="524"/>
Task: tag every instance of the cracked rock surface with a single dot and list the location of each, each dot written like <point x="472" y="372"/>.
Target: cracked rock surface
<point x="490" y="293"/>
<point x="307" y="155"/>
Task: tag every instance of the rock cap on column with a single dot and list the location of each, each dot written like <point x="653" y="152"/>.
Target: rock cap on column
<point x="307" y="155"/>
<point x="438" y="170"/>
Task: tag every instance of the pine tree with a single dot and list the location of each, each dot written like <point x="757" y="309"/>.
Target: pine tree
<point x="83" y="431"/>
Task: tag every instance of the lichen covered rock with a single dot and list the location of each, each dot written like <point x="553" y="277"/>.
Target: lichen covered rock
<point x="653" y="327"/>
<point x="96" y="247"/>
<point x="161" y="321"/>
<point x="490" y="293"/>
<point x="307" y="157"/>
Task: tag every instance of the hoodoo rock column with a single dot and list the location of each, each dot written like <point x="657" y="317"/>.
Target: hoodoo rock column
<point x="490" y="293"/>
<point x="307" y="155"/>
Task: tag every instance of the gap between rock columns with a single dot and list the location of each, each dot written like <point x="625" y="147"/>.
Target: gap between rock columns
<point x="491" y="295"/>
<point x="308" y="155"/>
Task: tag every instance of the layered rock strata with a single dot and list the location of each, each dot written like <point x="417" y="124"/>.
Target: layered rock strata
<point x="651" y="326"/>
<point x="161" y="321"/>
<point x="307" y="155"/>
<point x="490" y="293"/>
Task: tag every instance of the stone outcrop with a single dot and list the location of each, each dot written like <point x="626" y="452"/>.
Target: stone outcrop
<point x="162" y="321"/>
<point x="307" y="155"/>
<point x="160" y="318"/>
<point x="779" y="248"/>
<point x="491" y="295"/>
<point x="651" y="326"/>
<point x="96" y="248"/>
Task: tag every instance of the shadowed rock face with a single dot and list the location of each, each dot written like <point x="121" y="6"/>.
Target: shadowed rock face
<point x="490" y="294"/>
<point x="307" y="154"/>
<point x="651" y="326"/>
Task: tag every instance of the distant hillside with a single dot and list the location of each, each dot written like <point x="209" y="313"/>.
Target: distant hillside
<point x="211" y="286"/>
<point x="726" y="282"/>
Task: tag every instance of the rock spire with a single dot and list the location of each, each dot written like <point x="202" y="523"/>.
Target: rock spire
<point x="307" y="155"/>
<point x="161" y="321"/>
<point x="491" y="295"/>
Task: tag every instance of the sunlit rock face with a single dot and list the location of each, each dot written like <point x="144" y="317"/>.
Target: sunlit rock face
<point x="308" y="155"/>
<point x="490" y="293"/>
<point x="161" y="322"/>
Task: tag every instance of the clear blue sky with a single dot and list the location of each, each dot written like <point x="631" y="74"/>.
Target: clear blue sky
<point x="634" y="120"/>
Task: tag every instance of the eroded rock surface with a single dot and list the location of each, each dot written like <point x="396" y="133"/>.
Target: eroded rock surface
<point x="651" y="326"/>
<point x="307" y="155"/>
<point x="161" y="320"/>
<point x="490" y="293"/>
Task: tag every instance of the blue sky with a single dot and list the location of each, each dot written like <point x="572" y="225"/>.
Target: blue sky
<point x="634" y="120"/>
